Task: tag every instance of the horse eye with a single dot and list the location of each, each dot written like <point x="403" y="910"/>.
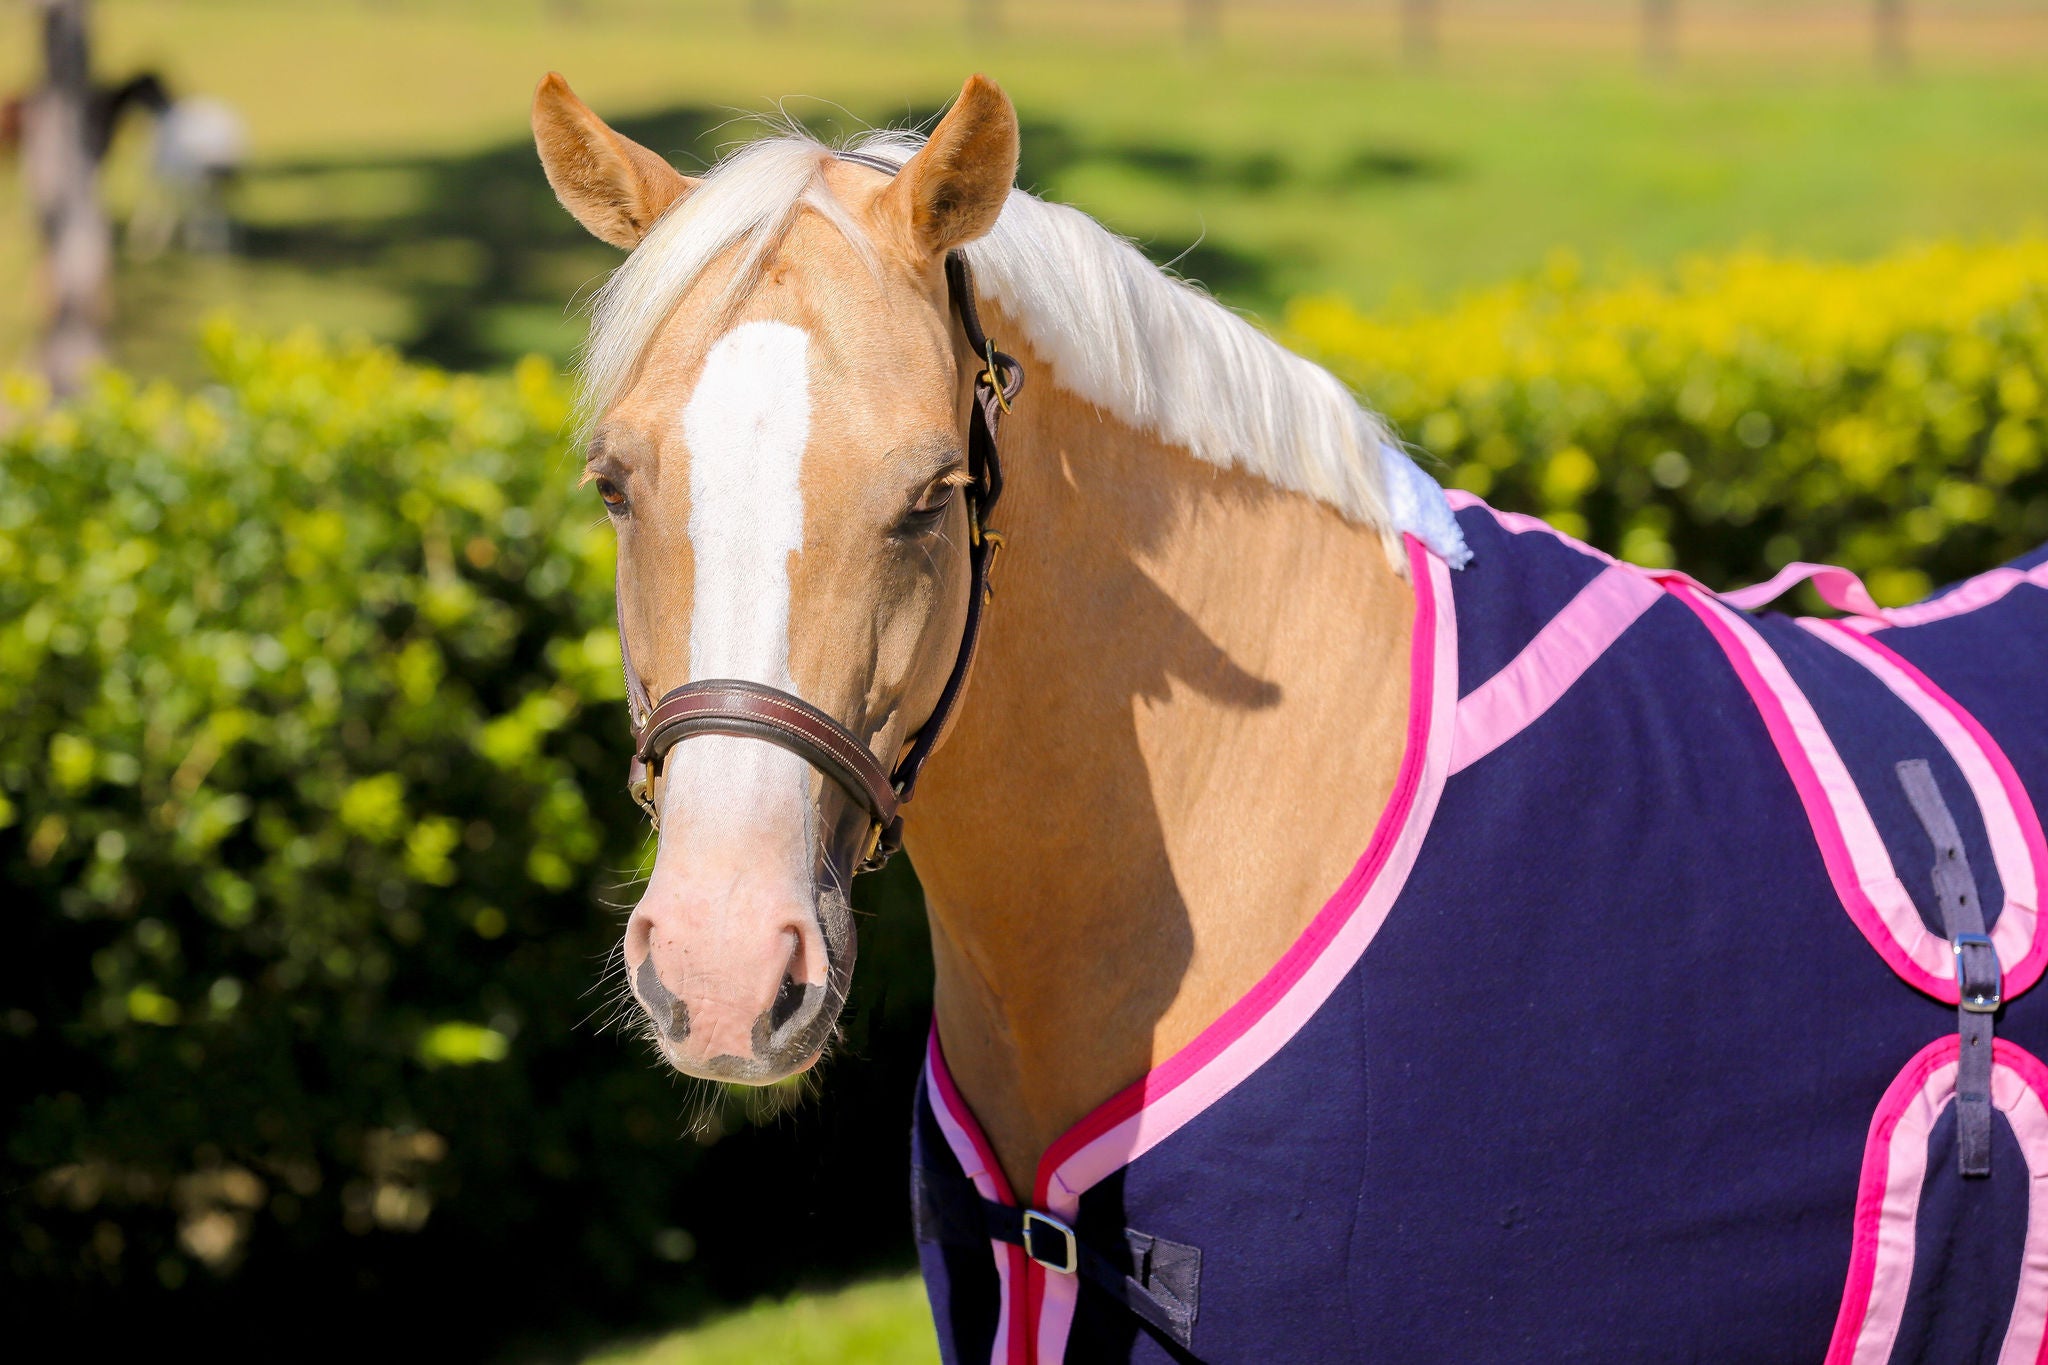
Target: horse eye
<point x="934" y="498"/>
<point x="614" y="497"/>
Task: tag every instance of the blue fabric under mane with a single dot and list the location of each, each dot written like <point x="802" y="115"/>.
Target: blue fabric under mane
<point x="1418" y="507"/>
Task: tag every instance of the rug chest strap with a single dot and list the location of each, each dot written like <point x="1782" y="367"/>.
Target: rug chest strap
<point x="1979" y="983"/>
<point x="1159" y="1281"/>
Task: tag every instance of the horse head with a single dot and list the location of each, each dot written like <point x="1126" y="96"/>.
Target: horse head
<point x="778" y="405"/>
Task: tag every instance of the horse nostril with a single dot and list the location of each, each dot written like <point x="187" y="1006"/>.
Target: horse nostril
<point x="788" y="1001"/>
<point x="669" y="1014"/>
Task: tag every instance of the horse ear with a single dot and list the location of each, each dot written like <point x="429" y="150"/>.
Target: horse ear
<point x="610" y="184"/>
<point x="952" y="191"/>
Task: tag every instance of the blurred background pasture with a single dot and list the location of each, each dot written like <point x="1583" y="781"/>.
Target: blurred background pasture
<point x="1272" y="149"/>
<point x="310" y="722"/>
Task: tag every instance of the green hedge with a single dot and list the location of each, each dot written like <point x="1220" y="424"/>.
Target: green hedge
<point x="311" y="818"/>
<point x="1742" y="411"/>
<point x="311" y="815"/>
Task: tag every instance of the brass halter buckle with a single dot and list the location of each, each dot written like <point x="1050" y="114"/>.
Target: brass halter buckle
<point x="991" y="377"/>
<point x="993" y="540"/>
<point x="995" y="543"/>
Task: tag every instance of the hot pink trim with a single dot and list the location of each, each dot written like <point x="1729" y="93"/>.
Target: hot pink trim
<point x="2019" y="1087"/>
<point x="1251" y="1031"/>
<point x="1511" y="700"/>
<point x="1850" y="846"/>
<point x="970" y="1148"/>
<point x="978" y="1161"/>
<point x="1254" y="1028"/>
<point x="1231" y="1048"/>
<point x="1857" y="861"/>
<point x="2011" y="824"/>
<point x="1888" y="1202"/>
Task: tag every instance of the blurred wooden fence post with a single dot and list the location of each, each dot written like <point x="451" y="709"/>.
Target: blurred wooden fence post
<point x="1418" y="29"/>
<point x="985" y="16"/>
<point x="1660" y="34"/>
<point x="1204" y="19"/>
<point x="61" y="171"/>
<point x="1888" y="23"/>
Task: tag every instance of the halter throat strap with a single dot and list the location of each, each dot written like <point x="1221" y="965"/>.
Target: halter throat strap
<point x="727" y="706"/>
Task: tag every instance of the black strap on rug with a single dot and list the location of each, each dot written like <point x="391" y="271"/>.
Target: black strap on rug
<point x="1979" y="979"/>
<point x="1158" y="1280"/>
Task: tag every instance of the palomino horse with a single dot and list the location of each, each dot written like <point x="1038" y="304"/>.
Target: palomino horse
<point x="1641" y="1029"/>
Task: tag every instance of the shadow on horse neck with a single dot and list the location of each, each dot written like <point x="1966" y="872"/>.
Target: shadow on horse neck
<point x="1187" y="715"/>
<point x="1188" y="707"/>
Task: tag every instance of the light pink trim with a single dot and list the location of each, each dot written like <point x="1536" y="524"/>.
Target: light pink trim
<point x="1844" y="591"/>
<point x="1850" y="846"/>
<point x="1837" y="587"/>
<point x="1521" y="522"/>
<point x="977" y="1161"/>
<point x="2019" y="1085"/>
<point x="1888" y="1195"/>
<point x="1261" y="1023"/>
<point x="1857" y="861"/>
<point x="1511" y="700"/>
<point x="1888" y="1205"/>
<point x="2011" y="824"/>
<point x="1058" y="1296"/>
<point x="1969" y="595"/>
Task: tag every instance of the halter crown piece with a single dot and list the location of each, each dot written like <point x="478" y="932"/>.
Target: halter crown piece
<point x="731" y="706"/>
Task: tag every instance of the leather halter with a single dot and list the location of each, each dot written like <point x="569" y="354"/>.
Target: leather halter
<point x="751" y="710"/>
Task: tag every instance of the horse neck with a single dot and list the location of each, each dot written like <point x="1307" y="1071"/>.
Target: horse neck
<point x="1188" y="712"/>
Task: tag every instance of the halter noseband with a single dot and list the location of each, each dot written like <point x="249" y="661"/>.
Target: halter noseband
<point x="750" y="710"/>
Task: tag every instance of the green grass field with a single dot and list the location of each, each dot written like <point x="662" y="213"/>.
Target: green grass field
<point x="396" y="194"/>
<point x="883" y="1322"/>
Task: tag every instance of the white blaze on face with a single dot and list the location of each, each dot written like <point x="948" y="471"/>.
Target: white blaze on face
<point x="746" y="424"/>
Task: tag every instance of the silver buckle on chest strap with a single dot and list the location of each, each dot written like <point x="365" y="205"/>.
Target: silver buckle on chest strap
<point x="1975" y="993"/>
<point x="1041" y="1229"/>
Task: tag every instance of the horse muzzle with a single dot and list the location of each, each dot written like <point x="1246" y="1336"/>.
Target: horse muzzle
<point x="744" y="987"/>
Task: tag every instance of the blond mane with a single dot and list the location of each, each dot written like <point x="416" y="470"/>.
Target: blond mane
<point x="1143" y="345"/>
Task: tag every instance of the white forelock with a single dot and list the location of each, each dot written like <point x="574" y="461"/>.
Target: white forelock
<point x="1142" y="345"/>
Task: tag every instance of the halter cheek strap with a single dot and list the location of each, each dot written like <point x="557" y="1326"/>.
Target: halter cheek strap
<point x="728" y="706"/>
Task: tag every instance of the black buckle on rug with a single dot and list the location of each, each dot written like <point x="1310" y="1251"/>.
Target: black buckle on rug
<point x="1980" y="984"/>
<point x="1980" y="978"/>
<point x="1051" y="1243"/>
<point x="1162" y="1285"/>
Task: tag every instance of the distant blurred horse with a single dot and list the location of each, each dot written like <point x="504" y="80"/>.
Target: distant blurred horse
<point x="199" y="146"/>
<point x="61" y="130"/>
<point x="1677" y="1009"/>
<point x="199" y="149"/>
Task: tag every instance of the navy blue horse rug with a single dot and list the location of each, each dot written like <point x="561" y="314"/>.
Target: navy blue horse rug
<point x="1679" y="1010"/>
